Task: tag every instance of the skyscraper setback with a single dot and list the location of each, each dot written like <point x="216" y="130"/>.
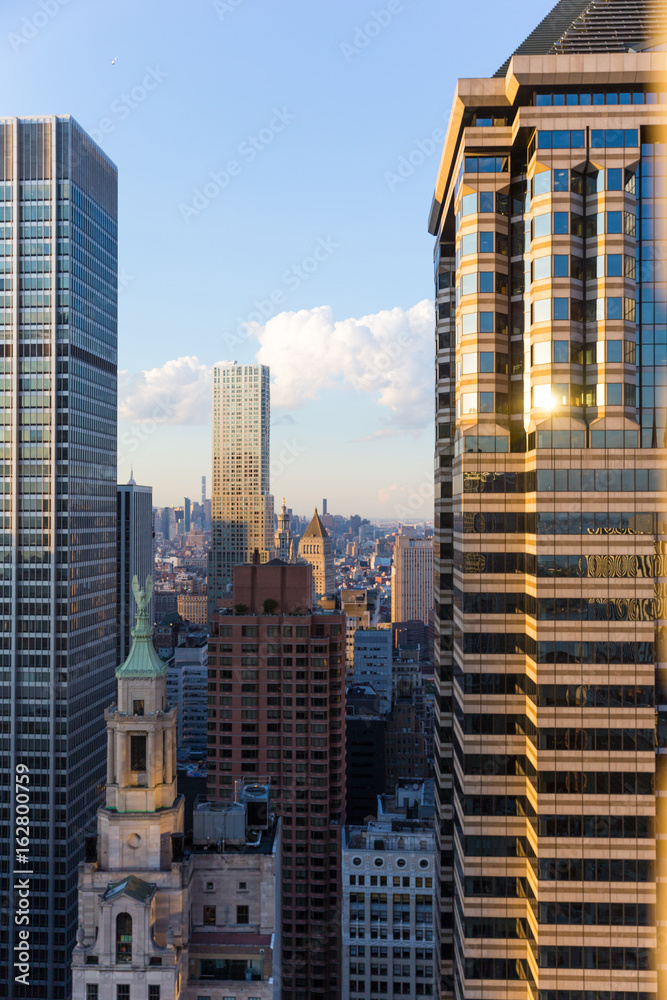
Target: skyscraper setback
<point x="242" y="508"/>
<point x="549" y="214"/>
<point x="58" y="341"/>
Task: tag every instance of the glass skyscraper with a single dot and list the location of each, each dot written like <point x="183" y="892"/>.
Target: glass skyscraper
<point x="550" y="518"/>
<point x="242" y="507"/>
<point x="58" y="340"/>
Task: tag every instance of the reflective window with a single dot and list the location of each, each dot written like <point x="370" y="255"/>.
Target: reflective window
<point x="561" y="351"/>
<point x="561" y="222"/>
<point x="486" y="281"/>
<point x="486" y="201"/>
<point x="561" y="265"/>
<point x="541" y="268"/>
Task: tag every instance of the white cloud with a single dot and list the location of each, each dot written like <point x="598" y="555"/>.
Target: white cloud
<point x="179" y="392"/>
<point x="387" y="355"/>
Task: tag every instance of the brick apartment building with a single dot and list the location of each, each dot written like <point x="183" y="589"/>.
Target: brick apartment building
<point x="277" y="715"/>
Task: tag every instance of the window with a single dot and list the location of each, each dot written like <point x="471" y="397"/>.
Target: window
<point x="561" y="180"/>
<point x="615" y="179"/>
<point x="486" y="201"/>
<point x="486" y="242"/>
<point x="614" y="222"/>
<point x="137" y="753"/>
<point x="486" y="361"/>
<point x="561" y="265"/>
<point x="124" y="939"/>
<point x="486" y="281"/>
<point x="153" y="992"/>
<point x="468" y="284"/>
<point x="123" y="991"/>
<point x="469" y="204"/>
<point x="560" y="351"/>
<point x="542" y="311"/>
<point x="92" y="991"/>
<point x="541" y="183"/>
<point x="542" y="268"/>
<point x="615" y="265"/>
<point x="243" y="914"/>
<point x="614" y="308"/>
<point x="468" y="363"/>
<point x="561" y="308"/>
<point x="561" y="222"/>
<point x="542" y="353"/>
<point x="138" y="707"/>
<point x="209" y="916"/>
<point x="486" y="402"/>
<point x="614" y="393"/>
<point x="615" y="350"/>
<point x="542" y="225"/>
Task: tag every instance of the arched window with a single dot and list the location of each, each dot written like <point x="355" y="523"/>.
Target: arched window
<point x="123" y="938"/>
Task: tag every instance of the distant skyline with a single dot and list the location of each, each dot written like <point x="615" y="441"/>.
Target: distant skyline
<point x="276" y="165"/>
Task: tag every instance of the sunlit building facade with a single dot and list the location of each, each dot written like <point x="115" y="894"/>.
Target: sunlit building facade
<point x="58" y="341"/>
<point x="549" y="217"/>
<point x="242" y="507"/>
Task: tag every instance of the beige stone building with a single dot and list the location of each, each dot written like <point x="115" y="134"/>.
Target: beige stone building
<point x="156" y="921"/>
<point x="316" y="548"/>
<point x="549" y="218"/>
<point x="193" y="607"/>
<point x="411" y="577"/>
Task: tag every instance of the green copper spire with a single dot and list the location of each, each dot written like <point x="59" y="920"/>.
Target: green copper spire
<point x="142" y="660"/>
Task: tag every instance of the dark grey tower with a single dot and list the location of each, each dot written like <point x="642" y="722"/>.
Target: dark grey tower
<point x="134" y="555"/>
<point x="58" y="342"/>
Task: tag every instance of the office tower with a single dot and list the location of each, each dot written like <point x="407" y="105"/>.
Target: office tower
<point x="58" y="265"/>
<point x="187" y="512"/>
<point x="411" y="576"/>
<point x="364" y="752"/>
<point x="316" y="548"/>
<point x="324" y="508"/>
<point x="390" y="902"/>
<point x="203" y="489"/>
<point x="549" y="214"/>
<point x="372" y="662"/>
<point x="134" y="554"/>
<point x="187" y="679"/>
<point x="242" y="508"/>
<point x="362" y="608"/>
<point x="277" y="716"/>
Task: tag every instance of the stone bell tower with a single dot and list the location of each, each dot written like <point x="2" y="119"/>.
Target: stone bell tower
<point x="131" y="888"/>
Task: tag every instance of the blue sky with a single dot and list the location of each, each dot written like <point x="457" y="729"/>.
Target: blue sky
<point x="258" y="146"/>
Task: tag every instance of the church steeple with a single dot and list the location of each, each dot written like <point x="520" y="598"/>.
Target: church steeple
<point x="141" y="755"/>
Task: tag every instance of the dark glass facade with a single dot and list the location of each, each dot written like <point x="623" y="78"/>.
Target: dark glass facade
<point x="58" y="342"/>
